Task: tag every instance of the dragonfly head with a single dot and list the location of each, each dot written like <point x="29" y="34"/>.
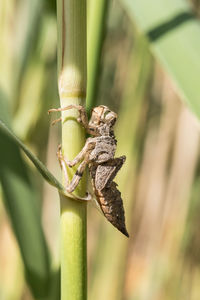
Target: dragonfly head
<point x="102" y="115"/>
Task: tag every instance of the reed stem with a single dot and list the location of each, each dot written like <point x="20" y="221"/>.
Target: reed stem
<point x="71" y="18"/>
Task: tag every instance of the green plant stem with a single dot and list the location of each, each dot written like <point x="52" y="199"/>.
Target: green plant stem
<point x="71" y="17"/>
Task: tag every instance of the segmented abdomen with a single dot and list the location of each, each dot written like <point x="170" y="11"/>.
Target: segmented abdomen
<point x="110" y="201"/>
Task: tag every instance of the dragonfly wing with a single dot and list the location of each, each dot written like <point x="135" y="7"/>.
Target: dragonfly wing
<point x="104" y="174"/>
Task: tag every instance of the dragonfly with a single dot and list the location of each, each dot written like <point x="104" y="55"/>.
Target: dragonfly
<point x="98" y="154"/>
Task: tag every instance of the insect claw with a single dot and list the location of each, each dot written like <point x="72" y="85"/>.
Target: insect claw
<point x="68" y="163"/>
<point x="52" y="110"/>
<point x="69" y="190"/>
<point x="88" y="197"/>
<point x="56" y="121"/>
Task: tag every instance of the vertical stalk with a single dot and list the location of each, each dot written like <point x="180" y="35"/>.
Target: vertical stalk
<point x="71" y="18"/>
<point x="98" y="11"/>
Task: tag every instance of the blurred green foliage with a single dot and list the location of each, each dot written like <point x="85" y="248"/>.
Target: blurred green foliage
<point x="160" y="181"/>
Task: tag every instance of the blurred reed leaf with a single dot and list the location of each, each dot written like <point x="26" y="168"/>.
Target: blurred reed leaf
<point x="35" y="85"/>
<point x="28" y="16"/>
<point x="174" y="35"/>
<point x="47" y="175"/>
<point x="19" y="198"/>
<point x="98" y="11"/>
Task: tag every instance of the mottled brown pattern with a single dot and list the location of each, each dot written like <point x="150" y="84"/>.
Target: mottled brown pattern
<point x="108" y="196"/>
<point x="98" y="153"/>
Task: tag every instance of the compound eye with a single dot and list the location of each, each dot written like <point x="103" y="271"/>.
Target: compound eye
<point x="107" y="115"/>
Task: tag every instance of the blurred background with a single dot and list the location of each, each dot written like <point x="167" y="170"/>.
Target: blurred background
<point x="160" y="181"/>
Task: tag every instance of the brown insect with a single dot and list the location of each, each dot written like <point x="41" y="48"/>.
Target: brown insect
<point x="98" y="153"/>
